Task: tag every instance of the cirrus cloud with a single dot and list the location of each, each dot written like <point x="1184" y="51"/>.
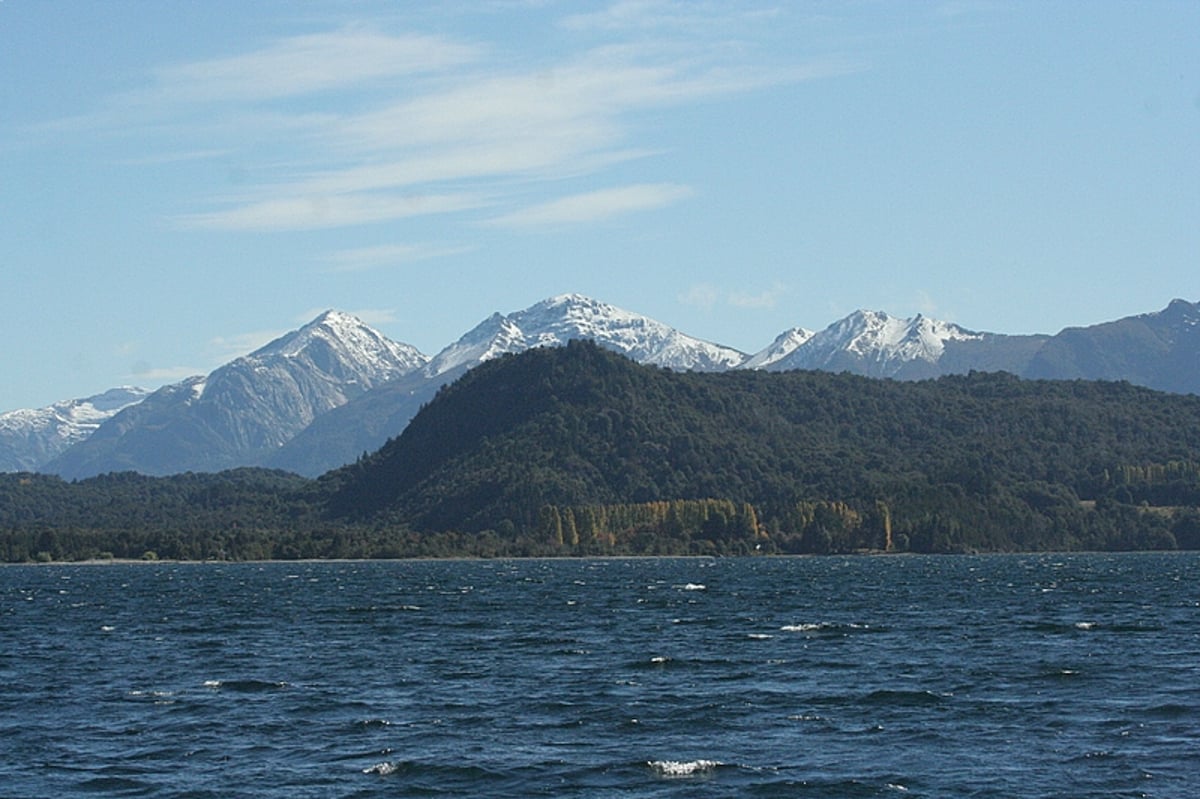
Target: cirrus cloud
<point x="595" y="206"/>
<point x="359" y="125"/>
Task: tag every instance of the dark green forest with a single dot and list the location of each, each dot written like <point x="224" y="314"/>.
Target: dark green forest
<point x="579" y="451"/>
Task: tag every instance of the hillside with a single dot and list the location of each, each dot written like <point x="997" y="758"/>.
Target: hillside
<point x="1004" y="463"/>
<point x="1158" y="350"/>
<point x="579" y="450"/>
<point x="366" y="422"/>
<point x="322" y="396"/>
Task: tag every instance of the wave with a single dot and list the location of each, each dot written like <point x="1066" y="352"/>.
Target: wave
<point x="246" y="686"/>
<point x="383" y="769"/>
<point x="372" y="723"/>
<point x="906" y="698"/>
<point x="683" y="768"/>
<point x="1077" y="627"/>
<point x="829" y="628"/>
<point x="369" y="609"/>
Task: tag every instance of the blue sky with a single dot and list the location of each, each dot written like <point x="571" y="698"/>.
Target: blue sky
<point x="182" y="181"/>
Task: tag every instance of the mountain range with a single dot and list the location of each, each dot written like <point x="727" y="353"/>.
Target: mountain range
<point x="245" y="409"/>
<point x="335" y="389"/>
<point x="30" y="438"/>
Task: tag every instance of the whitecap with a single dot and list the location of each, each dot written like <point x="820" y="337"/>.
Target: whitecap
<point x="695" y="587"/>
<point x="382" y="769"/>
<point x="759" y="636"/>
<point x="682" y="768"/>
<point x="1085" y="625"/>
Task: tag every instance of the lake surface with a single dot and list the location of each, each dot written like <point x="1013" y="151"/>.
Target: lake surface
<point x="990" y="676"/>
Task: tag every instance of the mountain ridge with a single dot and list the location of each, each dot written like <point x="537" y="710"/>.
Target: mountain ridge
<point x="29" y="438"/>
<point x="245" y="409"/>
<point x="365" y="423"/>
<point x="336" y="388"/>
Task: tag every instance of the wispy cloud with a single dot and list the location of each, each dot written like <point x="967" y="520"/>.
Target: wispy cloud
<point x="763" y="299"/>
<point x="701" y="295"/>
<point x="142" y="373"/>
<point x="368" y="126"/>
<point x="926" y="305"/>
<point x="223" y="349"/>
<point x="363" y="258"/>
<point x="707" y="296"/>
<point x="659" y="14"/>
<point x="327" y="211"/>
<point x="595" y="205"/>
<point x="307" y="64"/>
<point x="375" y="316"/>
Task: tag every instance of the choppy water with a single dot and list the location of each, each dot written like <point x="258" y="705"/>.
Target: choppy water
<point x="998" y="676"/>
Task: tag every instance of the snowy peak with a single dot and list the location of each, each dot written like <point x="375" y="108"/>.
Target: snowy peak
<point x="90" y="411"/>
<point x="783" y="345"/>
<point x="247" y="408"/>
<point x="347" y="339"/>
<point x="31" y="438"/>
<point x="492" y="337"/>
<point x="874" y="343"/>
<point x="305" y="373"/>
<point x="557" y="320"/>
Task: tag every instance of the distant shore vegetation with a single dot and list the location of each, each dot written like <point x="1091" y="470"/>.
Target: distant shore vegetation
<point x="576" y="451"/>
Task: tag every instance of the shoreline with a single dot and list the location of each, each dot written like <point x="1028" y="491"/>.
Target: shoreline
<point x="94" y="562"/>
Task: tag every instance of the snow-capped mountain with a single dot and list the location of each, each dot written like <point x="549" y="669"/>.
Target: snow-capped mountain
<point x="246" y="408"/>
<point x="30" y="438"/>
<point x="783" y="346"/>
<point x="366" y="423"/>
<point x="557" y="320"/>
<point x="876" y="344"/>
<point x="335" y="389"/>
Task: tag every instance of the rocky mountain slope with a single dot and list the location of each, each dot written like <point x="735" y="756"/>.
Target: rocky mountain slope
<point x="365" y="424"/>
<point x="326" y="394"/>
<point x="246" y="409"/>
<point x="874" y="344"/>
<point x="1159" y="350"/>
<point x="29" y="439"/>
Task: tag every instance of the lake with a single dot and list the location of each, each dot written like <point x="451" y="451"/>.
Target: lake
<point x="906" y="676"/>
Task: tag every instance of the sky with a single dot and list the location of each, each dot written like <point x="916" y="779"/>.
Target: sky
<point x="181" y="182"/>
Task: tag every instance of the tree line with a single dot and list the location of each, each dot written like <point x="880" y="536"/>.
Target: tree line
<point x="577" y="450"/>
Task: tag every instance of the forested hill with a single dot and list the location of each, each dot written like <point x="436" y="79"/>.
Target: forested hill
<point x="824" y="460"/>
<point x="577" y="450"/>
